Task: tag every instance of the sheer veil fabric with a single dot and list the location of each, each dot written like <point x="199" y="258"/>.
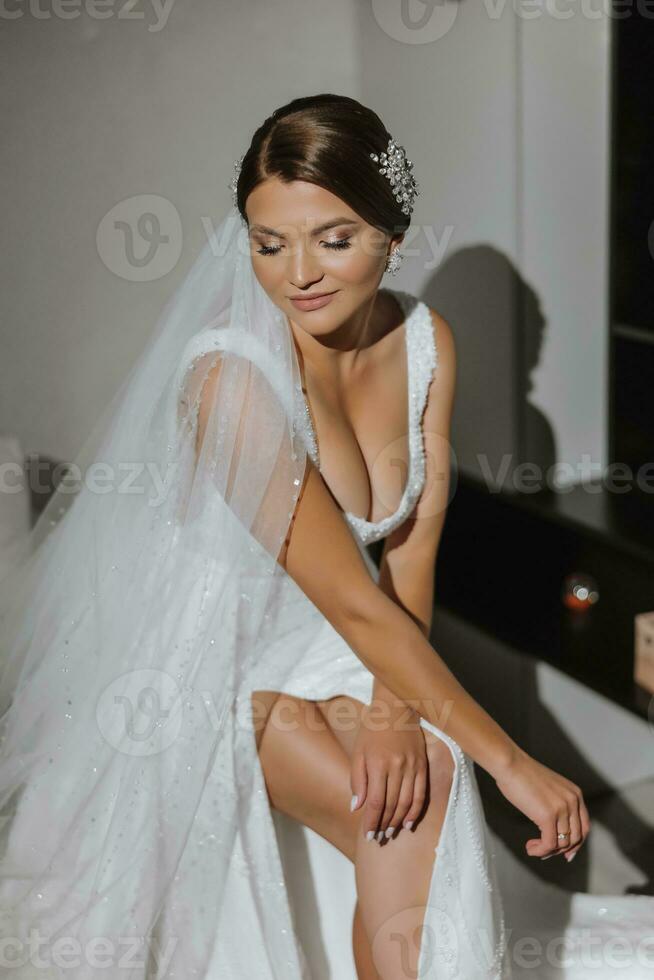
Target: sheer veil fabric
<point x="128" y="631"/>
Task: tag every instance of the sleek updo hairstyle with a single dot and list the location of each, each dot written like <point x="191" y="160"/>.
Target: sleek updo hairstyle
<point x="325" y="140"/>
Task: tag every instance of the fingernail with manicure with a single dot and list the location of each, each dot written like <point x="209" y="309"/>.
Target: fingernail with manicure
<point x="353" y="802"/>
<point x="390" y="831"/>
<point x="569" y="857"/>
<point x="370" y="835"/>
<point x="380" y="835"/>
<point x="408" y="825"/>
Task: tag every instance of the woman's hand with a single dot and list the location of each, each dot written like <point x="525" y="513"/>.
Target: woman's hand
<point x="555" y="804"/>
<point x="389" y="768"/>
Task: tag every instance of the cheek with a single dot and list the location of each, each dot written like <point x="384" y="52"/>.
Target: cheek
<point x="353" y="266"/>
<point x="269" y="273"/>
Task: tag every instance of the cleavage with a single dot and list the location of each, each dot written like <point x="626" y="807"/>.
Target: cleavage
<point x="380" y="448"/>
<point x="343" y="465"/>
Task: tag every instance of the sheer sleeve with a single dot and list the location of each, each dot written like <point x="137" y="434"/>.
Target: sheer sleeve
<point x="244" y="447"/>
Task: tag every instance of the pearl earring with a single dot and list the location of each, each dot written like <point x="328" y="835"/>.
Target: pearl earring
<point x="394" y="260"/>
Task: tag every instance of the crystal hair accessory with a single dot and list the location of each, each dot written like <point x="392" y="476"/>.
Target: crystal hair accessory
<point x="398" y="170"/>
<point x="234" y="181"/>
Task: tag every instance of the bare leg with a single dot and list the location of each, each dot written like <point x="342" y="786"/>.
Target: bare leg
<point x="361" y="948"/>
<point x="393" y="916"/>
<point x="306" y="769"/>
<point x="307" y="775"/>
<point x="306" y="764"/>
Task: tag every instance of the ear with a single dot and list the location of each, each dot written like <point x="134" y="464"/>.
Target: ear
<point x="397" y="240"/>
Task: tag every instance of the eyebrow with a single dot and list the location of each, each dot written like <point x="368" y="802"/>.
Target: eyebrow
<point x="334" y="223"/>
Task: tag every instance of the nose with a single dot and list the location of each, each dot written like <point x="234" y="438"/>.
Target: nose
<point x="305" y="268"/>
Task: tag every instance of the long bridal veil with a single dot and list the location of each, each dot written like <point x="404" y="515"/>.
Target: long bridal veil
<point x="128" y="630"/>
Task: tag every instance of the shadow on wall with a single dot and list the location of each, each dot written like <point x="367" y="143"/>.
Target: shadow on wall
<point x="500" y="328"/>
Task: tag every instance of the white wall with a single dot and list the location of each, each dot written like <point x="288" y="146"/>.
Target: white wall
<point x="97" y="111"/>
<point x="564" y="148"/>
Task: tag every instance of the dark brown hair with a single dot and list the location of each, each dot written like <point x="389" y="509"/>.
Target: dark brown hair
<point x="325" y="140"/>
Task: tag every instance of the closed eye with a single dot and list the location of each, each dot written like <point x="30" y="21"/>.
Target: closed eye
<point x="341" y="243"/>
<point x="274" y="249"/>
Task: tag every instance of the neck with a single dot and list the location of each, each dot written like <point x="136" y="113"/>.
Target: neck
<point x="333" y="356"/>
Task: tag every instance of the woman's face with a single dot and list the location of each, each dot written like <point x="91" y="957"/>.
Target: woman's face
<point x="295" y="255"/>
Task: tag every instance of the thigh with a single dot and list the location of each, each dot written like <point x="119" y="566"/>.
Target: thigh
<point x="441" y="771"/>
<point x="305" y="768"/>
<point x="343" y="715"/>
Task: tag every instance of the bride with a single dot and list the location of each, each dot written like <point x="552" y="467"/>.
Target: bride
<point x="197" y="635"/>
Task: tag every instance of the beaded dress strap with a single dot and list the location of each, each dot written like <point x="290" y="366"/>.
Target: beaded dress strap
<point x="421" y="363"/>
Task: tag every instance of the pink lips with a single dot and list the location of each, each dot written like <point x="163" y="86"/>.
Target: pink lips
<point x="314" y="302"/>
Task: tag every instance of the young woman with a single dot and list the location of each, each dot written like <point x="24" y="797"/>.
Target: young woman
<point x="210" y="639"/>
<point x="379" y="377"/>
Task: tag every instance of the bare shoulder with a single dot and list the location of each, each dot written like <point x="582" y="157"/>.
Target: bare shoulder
<point x="443" y="334"/>
<point x="446" y="353"/>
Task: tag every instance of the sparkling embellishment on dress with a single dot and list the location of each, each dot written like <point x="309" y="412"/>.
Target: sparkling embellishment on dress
<point x="422" y="360"/>
<point x="304" y="425"/>
<point x="448" y="875"/>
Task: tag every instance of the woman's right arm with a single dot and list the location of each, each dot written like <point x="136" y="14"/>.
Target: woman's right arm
<point x="322" y="557"/>
<point x="324" y="560"/>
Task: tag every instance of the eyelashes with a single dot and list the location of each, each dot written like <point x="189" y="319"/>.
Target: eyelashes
<point x="342" y="243"/>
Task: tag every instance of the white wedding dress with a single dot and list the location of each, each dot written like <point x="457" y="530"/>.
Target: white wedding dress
<point x="94" y="834"/>
<point x="481" y="899"/>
